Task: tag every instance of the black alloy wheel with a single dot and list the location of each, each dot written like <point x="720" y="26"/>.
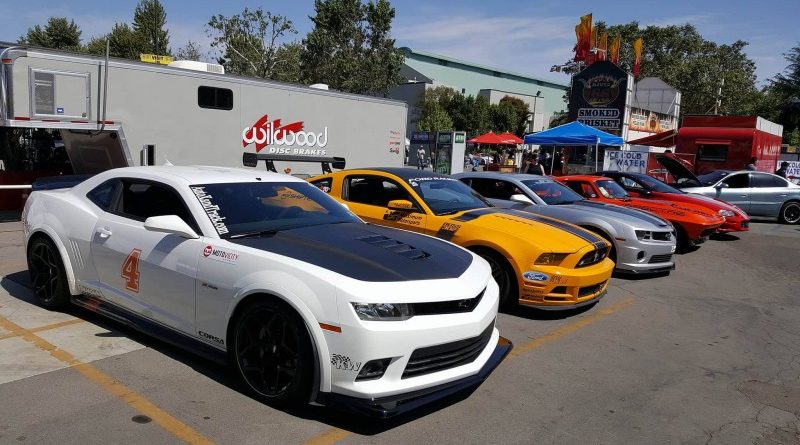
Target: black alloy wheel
<point x="48" y="278"/>
<point x="790" y="213"/>
<point x="272" y="353"/>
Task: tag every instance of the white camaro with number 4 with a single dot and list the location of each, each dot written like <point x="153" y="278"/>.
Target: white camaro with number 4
<point x="307" y="302"/>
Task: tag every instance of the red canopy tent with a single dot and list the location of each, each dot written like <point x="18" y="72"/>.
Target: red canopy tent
<point x="510" y="138"/>
<point x="490" y="138"/>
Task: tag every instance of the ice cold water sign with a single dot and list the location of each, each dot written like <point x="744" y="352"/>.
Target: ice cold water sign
<point x="625" y="161"/>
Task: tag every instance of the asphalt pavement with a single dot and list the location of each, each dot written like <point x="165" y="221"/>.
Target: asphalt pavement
<point x="709" y="354"/>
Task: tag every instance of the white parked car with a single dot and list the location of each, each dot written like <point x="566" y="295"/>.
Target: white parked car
<point x="307" y="302"/>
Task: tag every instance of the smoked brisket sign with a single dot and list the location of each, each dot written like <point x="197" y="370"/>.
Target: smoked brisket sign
<point x="598" y="97"/>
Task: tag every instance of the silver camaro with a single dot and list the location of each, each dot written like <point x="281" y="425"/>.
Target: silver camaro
<point x="643" y="243"/>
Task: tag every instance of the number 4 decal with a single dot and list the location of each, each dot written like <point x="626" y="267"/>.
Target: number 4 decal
<point x="130" y="270"/>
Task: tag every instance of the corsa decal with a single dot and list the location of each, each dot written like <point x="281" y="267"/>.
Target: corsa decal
<point x="447" y="231"/>
<point x="130" y="270"/>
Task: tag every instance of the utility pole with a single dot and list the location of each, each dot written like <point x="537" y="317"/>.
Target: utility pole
<point x="718" y="101"/>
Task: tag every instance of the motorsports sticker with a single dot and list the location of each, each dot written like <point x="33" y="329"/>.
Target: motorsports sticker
<point x="211" y="210"/>
<point x="220" y="255"/>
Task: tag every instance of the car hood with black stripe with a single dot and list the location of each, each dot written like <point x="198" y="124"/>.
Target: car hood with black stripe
<point x="549" y="234"/>
<point x="367" y="252"/>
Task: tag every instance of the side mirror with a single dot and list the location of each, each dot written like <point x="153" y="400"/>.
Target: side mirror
<point x="172" y="224"/>
<point x="400" y="204"/>
<point x="721" y="185"/>
<point x="520" y="198"/>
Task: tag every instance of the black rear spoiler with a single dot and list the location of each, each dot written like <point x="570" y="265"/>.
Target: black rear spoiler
<point x="251" y="160"/>
<point x="58" y="182"/>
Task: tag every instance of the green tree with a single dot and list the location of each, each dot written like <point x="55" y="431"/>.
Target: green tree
<point x="480" y="117"/>
<point x="522" y="112"/>
<point x="58" y="33"/>
<point x="124" y="43"/>
<point x="350" y="47"/>
<point x="434" y="118"/>
<point x="149" y="19"/>
<point x="250" y="43"/>
<point x="191" y="51"/>
<point x="697" y="67"/>
<point x="504" y="117"/>
<point x="783" y="94"/>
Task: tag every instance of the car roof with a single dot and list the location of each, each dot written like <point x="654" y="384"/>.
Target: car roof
<point x="590" y="178"/>
<point x="199" y="174"/>
<point x="498" y="175"/>
<point x="406" y="173"/>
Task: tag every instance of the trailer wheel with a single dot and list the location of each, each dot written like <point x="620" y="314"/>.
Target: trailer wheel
<point x="790" y="212"/>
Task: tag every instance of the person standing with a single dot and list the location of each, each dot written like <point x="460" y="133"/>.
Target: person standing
<point x="782" y="171"/>
<point x="536" y="168"/>
<point x="752" y="165"/>
<point x="420" y="158"/>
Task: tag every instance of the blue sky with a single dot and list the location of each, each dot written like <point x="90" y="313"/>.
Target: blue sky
<point x="519" y="35"/>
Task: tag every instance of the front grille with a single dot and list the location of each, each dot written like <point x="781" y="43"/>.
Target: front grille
<point x="449" y="355"/>
<point x="395" y="246"/>
<point x="447" y="307"/>
<point x="590" y="290"/>
<point x="593" y="257"/>
<point x="559" y="290"/>
<point x="662" y="236"/>
<point x="661" y="258"/>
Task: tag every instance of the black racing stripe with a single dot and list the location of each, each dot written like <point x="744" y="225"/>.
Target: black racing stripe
<point x="557" y="223"/>
<point x="366" y="252"/>
<point x="475" y="214"/>
<point x="636" y="213"/>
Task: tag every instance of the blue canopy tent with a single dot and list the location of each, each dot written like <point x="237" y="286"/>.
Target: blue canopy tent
<point x="574" y="133"/>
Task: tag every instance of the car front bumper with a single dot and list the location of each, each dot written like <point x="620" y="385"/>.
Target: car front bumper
<point x="566" y="288"/>
<point x="645" y="257"/>
<point x="390" y="406"/>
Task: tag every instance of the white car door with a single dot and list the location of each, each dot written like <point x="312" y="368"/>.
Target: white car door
<point x="150" y="273"/>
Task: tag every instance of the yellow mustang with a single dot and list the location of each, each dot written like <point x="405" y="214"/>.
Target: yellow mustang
<point x="536" y="261"/>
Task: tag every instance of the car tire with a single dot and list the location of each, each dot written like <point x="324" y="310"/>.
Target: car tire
<point x="503" y="273"/>
<point x="47" y="274"/>
<point x="271" y="353"/>
<point x="790" y="213"/>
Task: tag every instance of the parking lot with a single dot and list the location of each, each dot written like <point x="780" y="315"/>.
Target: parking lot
<point x="709" y="354"/>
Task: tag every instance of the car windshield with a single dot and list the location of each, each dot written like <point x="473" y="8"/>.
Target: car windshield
<point x="552" y="192"/>
<point x="713" y="177"/>
<point x="655" y="185"/>
<point x="242" y="208"/>
<point x="446" y="195"/>
<point x="611" y="189"/>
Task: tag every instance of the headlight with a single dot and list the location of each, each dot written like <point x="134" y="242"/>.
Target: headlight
<point x="726" y="213"/>
<point x="550" y="259"/>
<point x="644" y="235"/>
<point x="383" y="311"/>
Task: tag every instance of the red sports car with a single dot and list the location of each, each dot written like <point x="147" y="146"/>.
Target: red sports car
<point x="648" y="187"/>
<point x="693" y="223"/>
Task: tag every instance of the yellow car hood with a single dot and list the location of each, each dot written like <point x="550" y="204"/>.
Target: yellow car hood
<point x="549" y="234"/>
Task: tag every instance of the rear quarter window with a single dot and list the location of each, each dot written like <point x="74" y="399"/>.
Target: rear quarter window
<point x="103" y="195"/>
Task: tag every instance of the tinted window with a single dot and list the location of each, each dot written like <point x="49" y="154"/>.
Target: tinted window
<point x="249" y="208"/>
<point x="141" y="200"/>
<point x="764" y="180"/>
<point x="323" y="184"/>
<point x="611" y="189"/>
<point x="495" y="189"/>
<point x="552" y="192"/>
<point x="374" y="190"/>
<point x="653" y="184"/>
<point x="717" y="153"/>
<point x="630" y="183"/>
<point x="582" y="188"/>
<point x="737" y="181"/>
<point x="713" y="177"/>
<point x="215" y="98"/>
<point x="103" y="195"/>
<point x="445" y="195"/>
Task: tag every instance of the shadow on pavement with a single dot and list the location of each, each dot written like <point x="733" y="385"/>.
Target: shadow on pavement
<point x="223" y="375"/>
<point x="724" y="237"/>
<point x="532" y="313"/>
<point x="640" y="277"/>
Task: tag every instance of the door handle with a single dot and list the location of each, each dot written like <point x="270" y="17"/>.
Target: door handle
<point x="104" y="232"/>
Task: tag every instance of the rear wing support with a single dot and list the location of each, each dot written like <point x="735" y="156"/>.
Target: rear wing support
<point x="251" y="160"/>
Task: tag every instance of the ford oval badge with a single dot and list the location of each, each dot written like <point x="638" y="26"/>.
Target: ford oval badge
<point x="535" y="276"/>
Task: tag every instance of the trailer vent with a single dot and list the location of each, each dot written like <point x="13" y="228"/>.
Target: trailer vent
<point x="198" y="66"/>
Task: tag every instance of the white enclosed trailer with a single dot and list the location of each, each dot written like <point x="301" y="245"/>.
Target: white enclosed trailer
<point x="186" y="116"/>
